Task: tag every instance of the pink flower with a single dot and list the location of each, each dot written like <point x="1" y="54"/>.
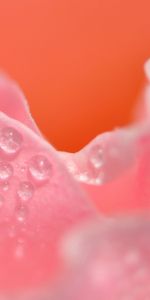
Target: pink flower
<point x="74" y="225"/>
<point x="39" y="199"/>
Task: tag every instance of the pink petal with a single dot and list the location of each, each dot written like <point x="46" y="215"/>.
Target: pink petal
<point x="14" y="104"/>
<point x="36" y="211"/>
<point x="142" y="113"/>
<point x="115" y="169"/>
<point x="107" y="260"/>
<point x="39" y="201"/>
<point x="106" y="169"/>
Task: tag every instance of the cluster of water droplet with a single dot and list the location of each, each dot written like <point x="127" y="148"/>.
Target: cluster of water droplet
<point x="89" y="165"/>
<point x="104" y="158"/>
<point x="38" y="171"/>
<point x="10" y="144"/>
<point x="96" y="162"/>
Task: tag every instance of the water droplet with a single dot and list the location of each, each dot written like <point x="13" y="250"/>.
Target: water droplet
<point x="2" y="200"/>
<point x="92" y="169"/>
<point x="6" y="171"/>
<point x="21" y="214"/>
<point x="40" y="168"/>
<point x="83" y="177"/>
<point x="96" y="157"/>
<point x="10" y="140"/>
<point x="25" y="190"/>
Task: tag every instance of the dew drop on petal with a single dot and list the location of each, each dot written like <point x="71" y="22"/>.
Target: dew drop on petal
<point x="94" y="168"/>
<point x="83" y="176"/>
<point x="96" y="157"/>
<point x="10" y="140"/>
<point x="21" y="214"/>
<point x="6" y="171"/>
<point x="25" y="190"/>
<point x="40" y="168"/>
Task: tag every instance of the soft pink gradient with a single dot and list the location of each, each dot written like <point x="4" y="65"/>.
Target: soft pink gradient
<point x="106" y="255"/>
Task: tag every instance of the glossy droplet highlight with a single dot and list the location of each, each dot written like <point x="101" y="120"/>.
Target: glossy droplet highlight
<point x="40" y="168"/>
<point x="96" y="157"/>
<point x="25" y="190"/>
<point x="10" y="140"/>
<point x="6" y="171"/>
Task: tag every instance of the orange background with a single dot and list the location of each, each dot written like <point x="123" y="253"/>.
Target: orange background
<point x="79" y="62"/>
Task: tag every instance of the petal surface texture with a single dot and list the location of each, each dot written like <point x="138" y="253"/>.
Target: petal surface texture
<point x="108" y="260"/>
<point x="39" y="201"/>
<point x="14" y="104"/>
